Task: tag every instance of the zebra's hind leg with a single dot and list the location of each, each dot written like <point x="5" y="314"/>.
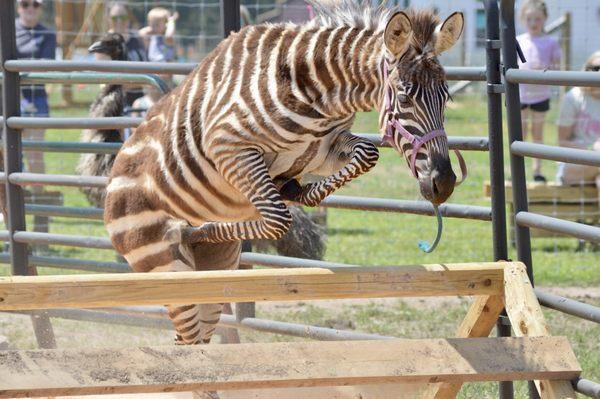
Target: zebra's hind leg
<point x="208" y="256"/>
<point x="197" y="323"/>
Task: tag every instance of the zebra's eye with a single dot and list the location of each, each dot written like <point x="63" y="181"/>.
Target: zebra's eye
<point x="404" y="99"/>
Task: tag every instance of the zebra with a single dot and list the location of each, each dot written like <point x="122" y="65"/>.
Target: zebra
<point x="219" y="159"/>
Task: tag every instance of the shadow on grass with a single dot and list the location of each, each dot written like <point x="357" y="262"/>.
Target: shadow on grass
<point x="348" y="231"/>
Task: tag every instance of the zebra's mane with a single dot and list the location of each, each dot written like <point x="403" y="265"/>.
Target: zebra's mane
<point x="354" y="13"/>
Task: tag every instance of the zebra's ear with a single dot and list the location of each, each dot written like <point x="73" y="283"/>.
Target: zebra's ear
<point x="397" y="34"/>
<point x="448" y="32"/>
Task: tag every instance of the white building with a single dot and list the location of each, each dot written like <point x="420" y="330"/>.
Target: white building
<point x="585" y="27"/>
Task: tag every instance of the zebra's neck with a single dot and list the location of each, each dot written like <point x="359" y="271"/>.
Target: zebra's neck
<point x="340" y="71"/>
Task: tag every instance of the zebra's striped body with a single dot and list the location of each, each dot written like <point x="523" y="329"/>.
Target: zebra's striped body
<point x="215" y="161"/>
<point x="262" y="105"/>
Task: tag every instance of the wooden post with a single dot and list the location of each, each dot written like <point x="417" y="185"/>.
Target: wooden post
<point x="479" y="322"/>
<point x="527" y="319"/>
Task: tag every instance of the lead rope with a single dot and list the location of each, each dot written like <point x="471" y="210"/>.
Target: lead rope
<point x="422" y="244"/>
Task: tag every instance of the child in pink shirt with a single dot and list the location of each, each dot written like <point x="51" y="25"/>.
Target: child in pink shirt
<point x="541" y="52"/>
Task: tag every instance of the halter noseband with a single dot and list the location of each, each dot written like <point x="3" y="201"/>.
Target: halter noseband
<point x="416" y="141"/>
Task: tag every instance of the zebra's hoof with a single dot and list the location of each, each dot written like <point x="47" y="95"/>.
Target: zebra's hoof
<point x="291" y="190"/>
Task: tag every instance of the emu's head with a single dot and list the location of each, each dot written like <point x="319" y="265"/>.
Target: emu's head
<point x="412" y="113"/>
<point x="111" y="46"/>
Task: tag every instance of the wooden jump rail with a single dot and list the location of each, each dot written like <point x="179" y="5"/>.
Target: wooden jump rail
<point x="439" y="365"/>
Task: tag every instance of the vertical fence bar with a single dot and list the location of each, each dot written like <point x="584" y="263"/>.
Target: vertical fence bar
<point x="13" y="157"/>
<point x="231" y="23"/>
<point x="515" y="133"/>
<point x="495" y="133"/>
<point x="513" y="117"/>
<point x="230" y="16"/>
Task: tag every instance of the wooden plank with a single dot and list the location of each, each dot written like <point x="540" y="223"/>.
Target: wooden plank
<point x="527" y="319"/>
<point x="479" y="322"/>
<point x="551" y="192"/>
<point x="107" y="290"/>
<point x="290" y="364"/>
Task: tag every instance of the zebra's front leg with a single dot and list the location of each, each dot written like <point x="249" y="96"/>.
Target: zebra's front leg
<point x="248" y="173"/>
<point x="349" y="157"/>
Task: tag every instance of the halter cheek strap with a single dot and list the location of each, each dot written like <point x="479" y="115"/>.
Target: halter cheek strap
<point x="417" y="142"/>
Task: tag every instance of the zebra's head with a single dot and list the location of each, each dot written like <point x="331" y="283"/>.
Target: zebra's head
<point x="415" y="95"/>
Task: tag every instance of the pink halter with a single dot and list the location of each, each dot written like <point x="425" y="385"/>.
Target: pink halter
<point x="416" y="141"/>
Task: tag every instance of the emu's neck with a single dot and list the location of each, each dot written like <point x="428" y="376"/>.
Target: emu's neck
<point x="345" y="70"/>
<point x="109" y="102"/>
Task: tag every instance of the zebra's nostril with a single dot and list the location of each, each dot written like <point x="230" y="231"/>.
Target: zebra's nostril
<point x="436" y="190"/>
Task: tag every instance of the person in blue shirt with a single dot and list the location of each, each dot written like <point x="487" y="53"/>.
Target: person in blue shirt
<point x="119" y="21"/>
<point x="34" y="41"/>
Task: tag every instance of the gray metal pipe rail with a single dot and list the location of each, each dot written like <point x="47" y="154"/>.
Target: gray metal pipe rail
<point x="256" y="324"/>
<point x="95" y="78"/>
<point x="587" y="387"/>
<point x="172" y="68"/>
<point x="285" y="262"/>
<point x="553" y="153"/>
<point x="141" y="319"/>
<point x="554" y="78"/>
<point x="56" y="262"/>
<point x="38" y="179"/>
<point x="460" y="211"/>
<point x="569" y="306"/>
<point x="454" y="142"/>
<point x="32" y="122"/>
<point x="30" y="237"/>
<point x="406" y="206"/>
<point x="30" y="78"/>
<point x="72" y="146"/>
<point x="574" y="229"/>
<point x="65" y="211"/>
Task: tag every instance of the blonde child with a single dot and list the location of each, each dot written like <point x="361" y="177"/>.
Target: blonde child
<point x="159" y="35"/>
<point x="579" y="127"/>
<point x="541" y="52"/>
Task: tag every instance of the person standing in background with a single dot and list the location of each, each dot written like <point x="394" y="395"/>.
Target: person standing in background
<point x="541" y="52"/>
<point x="159" y="35"/>
<point x="119" y="21"/>
<point x="579" y="127"/>
<point x="34" y="41"/>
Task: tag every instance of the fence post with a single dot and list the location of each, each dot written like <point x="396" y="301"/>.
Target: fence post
<point x="230" y="16"/>
<point x="13" y="162"/>
<point x="231" y="23"/>
<point x="515" y="133"/>
<point x="495" y="134"/>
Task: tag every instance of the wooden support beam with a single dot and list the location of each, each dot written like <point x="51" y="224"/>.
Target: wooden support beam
<point x="479" y="322"/>
<point x="290" y="364"/>
<point x="106" y="290"/>
<point x="527" y="319"/>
